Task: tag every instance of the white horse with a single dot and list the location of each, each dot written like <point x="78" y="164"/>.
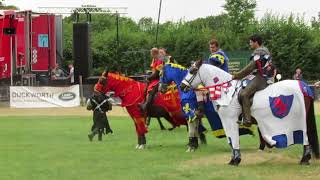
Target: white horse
<point x="283" y="113"/>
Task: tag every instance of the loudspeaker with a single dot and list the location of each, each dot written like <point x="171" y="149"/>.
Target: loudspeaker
<point x="82" y="56"/>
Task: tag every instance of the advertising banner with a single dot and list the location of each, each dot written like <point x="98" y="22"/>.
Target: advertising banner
<point x="44" y="97"/>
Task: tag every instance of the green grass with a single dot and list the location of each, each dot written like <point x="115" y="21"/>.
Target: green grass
<point x="41" y="148"/>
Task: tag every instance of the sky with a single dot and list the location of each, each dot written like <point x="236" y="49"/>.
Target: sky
<point x="174" y="10"/>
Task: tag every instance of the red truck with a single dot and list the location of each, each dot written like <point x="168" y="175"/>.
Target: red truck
<point x="27" y="45"/>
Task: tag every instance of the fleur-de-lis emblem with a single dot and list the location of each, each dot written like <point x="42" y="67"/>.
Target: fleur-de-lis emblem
<point x="187" y="108"/>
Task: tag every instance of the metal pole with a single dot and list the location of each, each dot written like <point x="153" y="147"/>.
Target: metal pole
<point x="49" y="46"/>
<point x="118" y="41"/>
<point x="117" y="19"/>
<point x="81" y="90"/>
<point x="158" y="22"/>
<point x="11" y="65"/>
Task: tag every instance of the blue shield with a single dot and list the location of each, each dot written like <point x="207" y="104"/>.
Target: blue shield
<point x="281" y="105"/>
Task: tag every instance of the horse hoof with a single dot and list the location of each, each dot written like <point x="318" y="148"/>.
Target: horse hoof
<point x="142" y="146"/>
<point x="305" y="160"/>
<point x="262" y="147"/>
<point x="235" y="162"/>
<point x="191" y="149"/>
<point x="203" y="139"/>
<point x="90" y="137"/>
<point x="304" y="163"/>
<point x="231" y="162"/>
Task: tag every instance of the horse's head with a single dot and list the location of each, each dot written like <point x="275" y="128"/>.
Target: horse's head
<point x="192" y="79"/>
<point x="170" y="72"/>
<point x="101" y="85"/>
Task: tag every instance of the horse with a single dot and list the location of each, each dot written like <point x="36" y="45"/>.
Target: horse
<point x="172" y="72"/>
<point x="131" y="93"/>
<point x="284" y="111"/>
<point x="99" y="104"/>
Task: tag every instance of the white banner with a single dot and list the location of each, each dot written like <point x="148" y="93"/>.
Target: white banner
<point x="44" y="97"/>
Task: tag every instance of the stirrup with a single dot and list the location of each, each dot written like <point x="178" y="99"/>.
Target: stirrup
<point x="245" y="122"/>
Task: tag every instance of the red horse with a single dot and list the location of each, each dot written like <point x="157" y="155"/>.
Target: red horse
<point x="131" y="93"/>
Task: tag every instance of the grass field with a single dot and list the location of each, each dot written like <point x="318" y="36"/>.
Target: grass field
<point x="57" y="147"/>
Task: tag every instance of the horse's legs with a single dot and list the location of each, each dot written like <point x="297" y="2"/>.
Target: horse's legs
<point x="262" y="142"/>
<point x="141" y="142"/>
<point x="306" y="156"/>
<point x="229" y="115"/>
<point x="202" y="130"/>
<point x="193" y="135"/>
<point x="148" y="120"/>
<point x="160" y="124"/>
<point x="167" y="116"/>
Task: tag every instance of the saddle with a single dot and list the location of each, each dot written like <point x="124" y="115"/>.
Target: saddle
<point x="244" y="83"/>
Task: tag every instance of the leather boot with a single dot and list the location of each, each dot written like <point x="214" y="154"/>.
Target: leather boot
<point x="149" y="100"/>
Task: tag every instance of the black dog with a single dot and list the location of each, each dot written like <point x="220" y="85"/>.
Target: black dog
<point x="99" y="103"/>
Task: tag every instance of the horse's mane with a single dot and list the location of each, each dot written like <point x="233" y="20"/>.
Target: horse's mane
<point x="178" y="66"/>
<point x="117" y="76"/>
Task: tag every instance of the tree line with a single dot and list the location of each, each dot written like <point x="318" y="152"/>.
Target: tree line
<point x="292" y="41"/>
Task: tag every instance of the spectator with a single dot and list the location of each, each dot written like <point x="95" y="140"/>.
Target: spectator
<point x="71" y="73"/>
<point x="165" y="56"/>
<point x="57" y="73"/>
<point x="317" y="84"/>
<point x="298" y="74"/>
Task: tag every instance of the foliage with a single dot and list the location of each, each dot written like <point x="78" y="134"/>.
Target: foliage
<point x="292" y="42"/>
<point x="292" y="45"/>
<point x="7" y="7"/>
<point x="240" y="13"/>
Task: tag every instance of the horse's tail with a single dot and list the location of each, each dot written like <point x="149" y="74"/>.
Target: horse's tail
<point x="312" y="128"/>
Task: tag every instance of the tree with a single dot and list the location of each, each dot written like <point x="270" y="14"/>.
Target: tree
<point x="315" y="23"/>
<point x="241" y="13"/>
<point x="146" y="24"/>
<point x="4" y="7"/>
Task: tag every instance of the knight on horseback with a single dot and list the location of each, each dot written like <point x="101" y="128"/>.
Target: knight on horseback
<point x="260" y="59"/>
<point x="153" y="79"/>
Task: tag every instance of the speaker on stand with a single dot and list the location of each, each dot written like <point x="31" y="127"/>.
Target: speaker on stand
<point x="82" y="55"/>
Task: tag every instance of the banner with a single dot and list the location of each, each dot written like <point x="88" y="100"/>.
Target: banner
<point x="44" y="97"/>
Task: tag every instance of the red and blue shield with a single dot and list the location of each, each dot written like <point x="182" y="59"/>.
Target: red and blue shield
<point x="281" y="105"/>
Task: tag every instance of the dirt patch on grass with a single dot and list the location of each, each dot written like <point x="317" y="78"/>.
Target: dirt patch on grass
<point x="75" y="111"/>
<point x="264" y="160"/>
<point x="248" y="158"/>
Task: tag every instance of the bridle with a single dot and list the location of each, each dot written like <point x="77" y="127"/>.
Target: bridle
<point x="194" y="74"/>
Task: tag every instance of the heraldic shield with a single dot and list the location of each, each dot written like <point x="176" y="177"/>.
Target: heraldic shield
<point x="281" y="105"/>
